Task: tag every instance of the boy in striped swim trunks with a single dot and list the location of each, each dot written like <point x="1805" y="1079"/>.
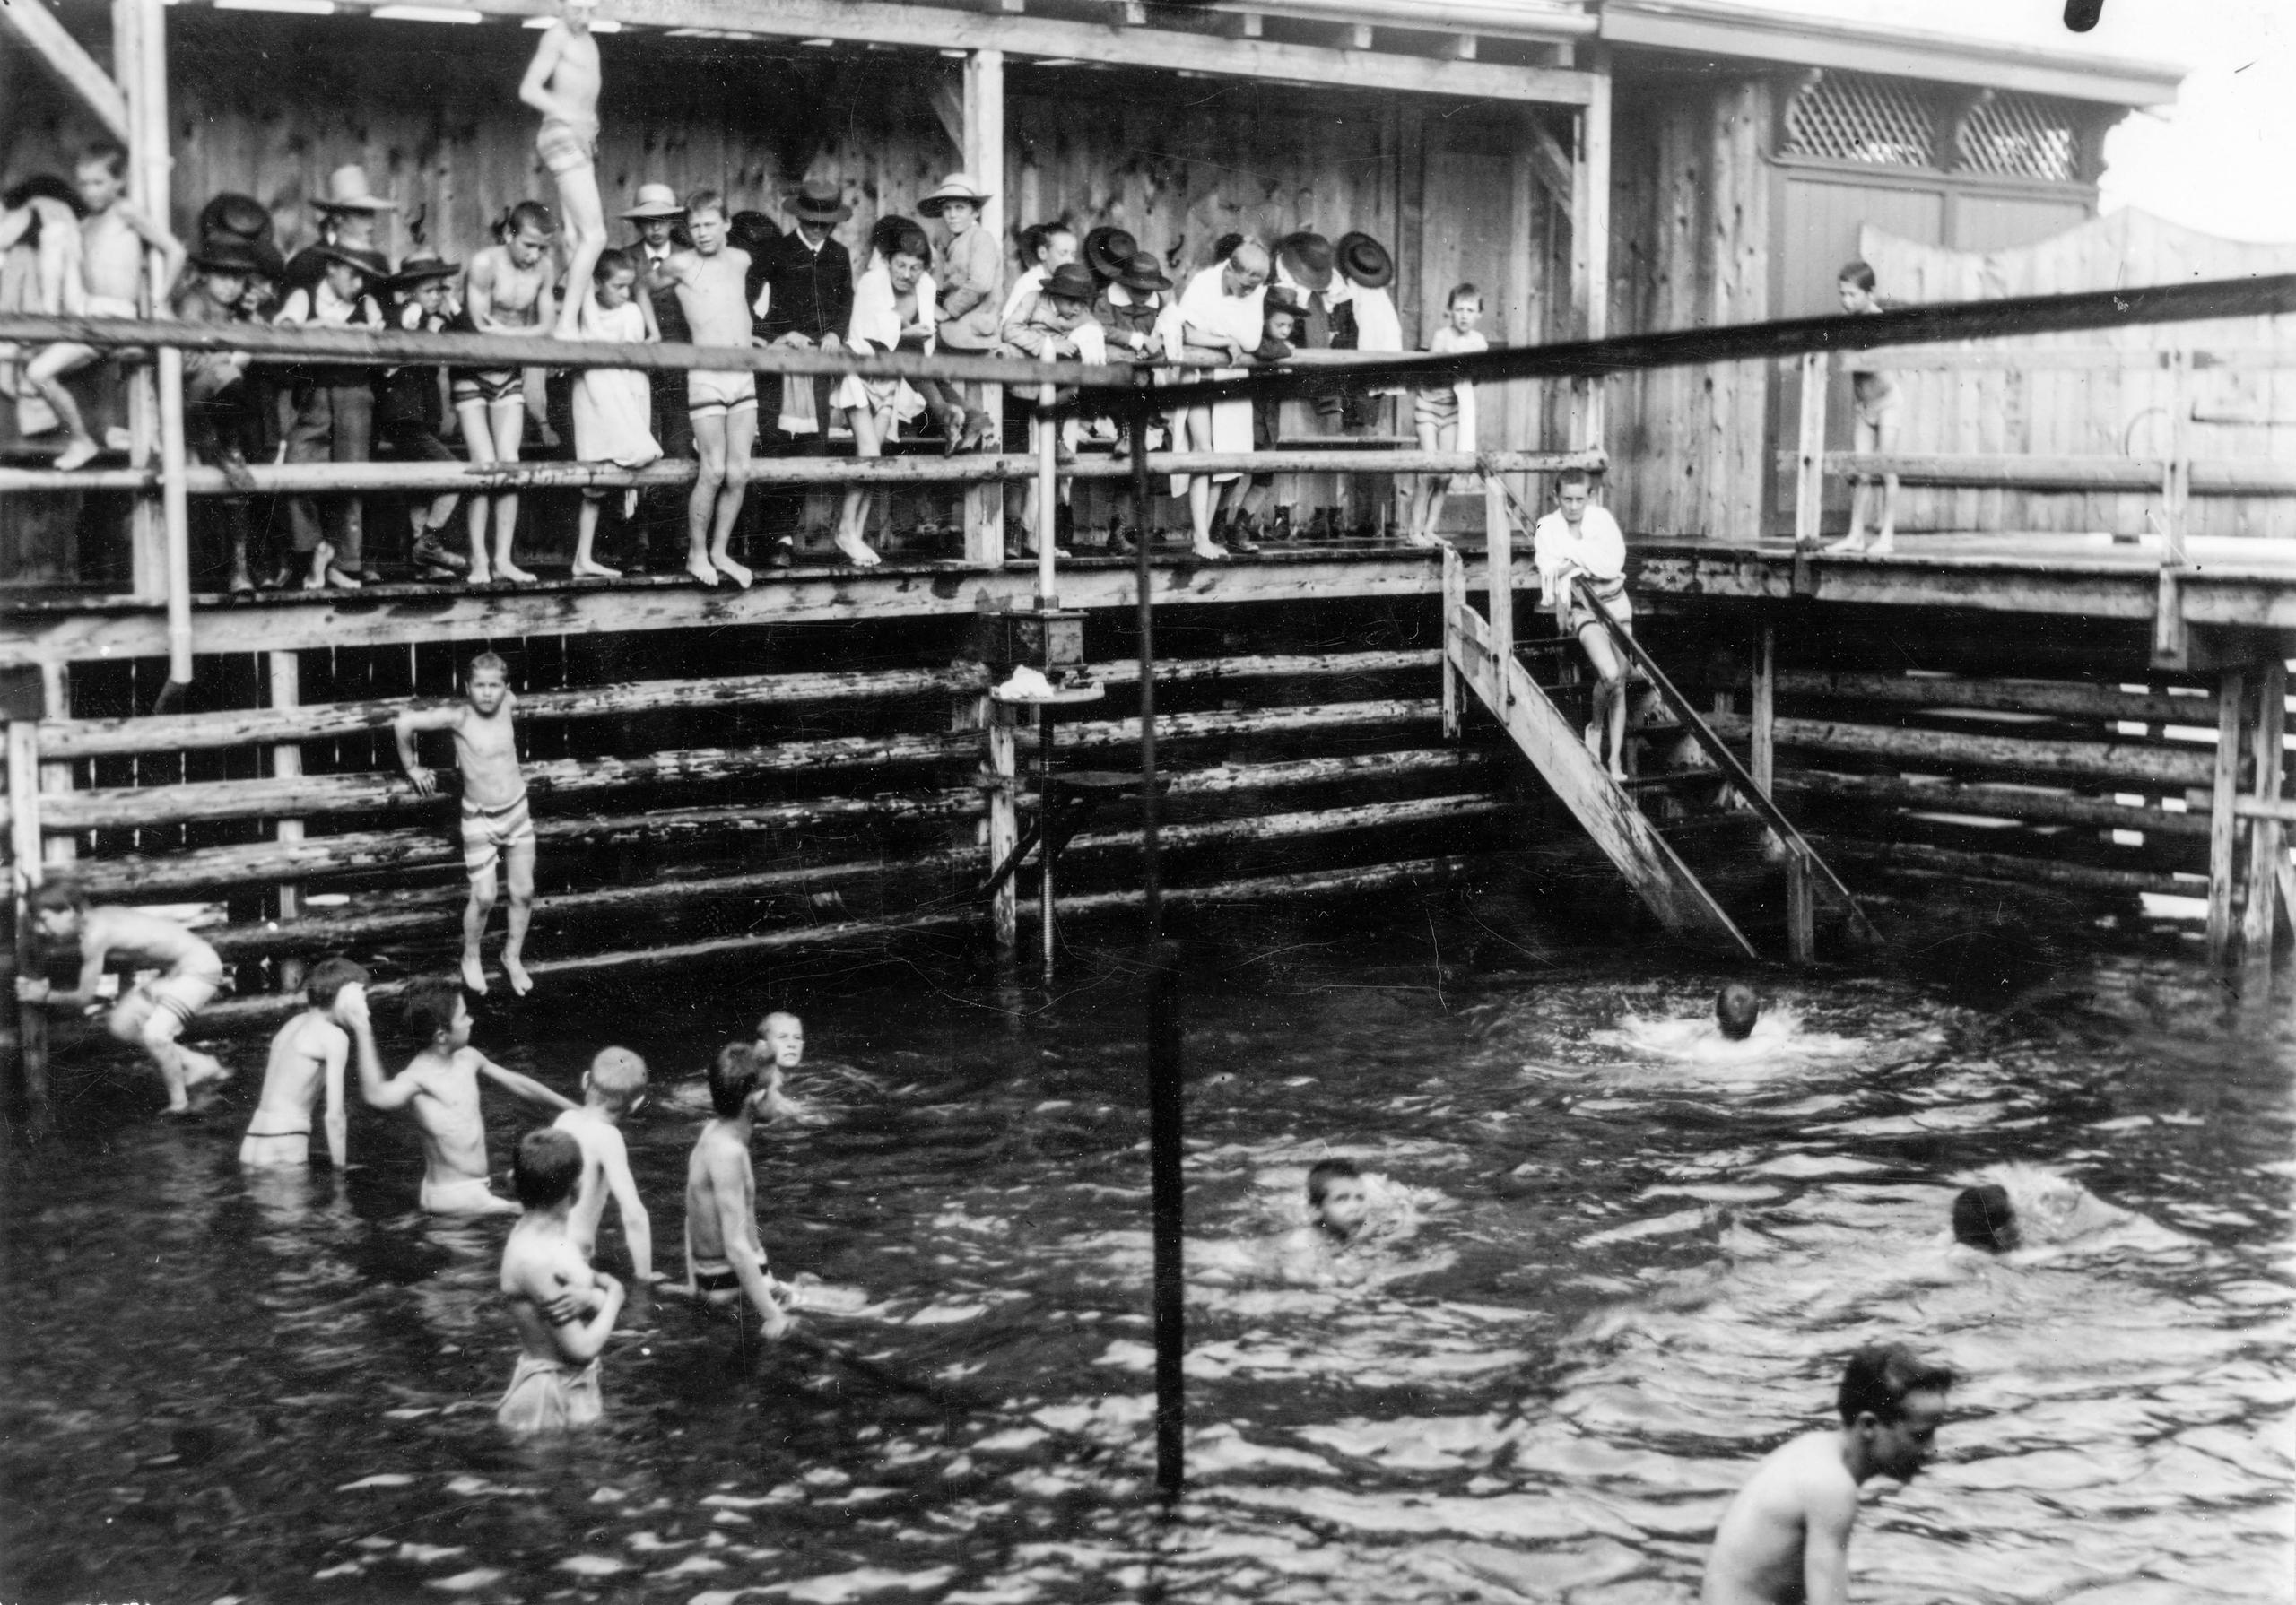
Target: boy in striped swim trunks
<point x="496" y="825"/>
<point x="152" y="1015"/>
<point x="561" y="82"/>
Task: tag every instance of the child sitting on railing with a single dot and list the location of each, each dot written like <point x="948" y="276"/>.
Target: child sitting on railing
<point x="612" y="404"/>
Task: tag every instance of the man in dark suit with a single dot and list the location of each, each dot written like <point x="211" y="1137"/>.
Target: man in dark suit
<point x="809" y="304"/>
<point x="660" y="216"/>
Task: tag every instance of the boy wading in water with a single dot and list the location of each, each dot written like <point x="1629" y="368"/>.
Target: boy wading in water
<point x="496" y="822"/>
<point x="564" y="1310"/>
<point x="724" y="1261"/>
<point x="561" y="82"/>
<point x="614" y="1086"/>
<point x="1786" y="1536"/>
<point x="440" y="1085"/>
<point x="307" y="1056"/>
<point x="152" y="1015"/>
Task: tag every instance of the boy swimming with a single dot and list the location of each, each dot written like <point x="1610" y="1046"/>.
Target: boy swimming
<point x="1736" y="1007"/>
<point x="440" y="1085"/>
<point x="308" y="1054"/>
<point x="564" y="1310"/>
<point x="614" y="1086"/>
<point x="152" y="1015"/>
<point x="724" y="1259"/>
<point x="780" y="1049"/>
<point x="1785" y="1536"/>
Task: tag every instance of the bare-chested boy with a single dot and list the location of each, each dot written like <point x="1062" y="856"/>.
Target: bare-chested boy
<point x="496" y="822"/>
<point x="614" y="1085"/>
<point x="561" y="82"/>
<point x="564" y="1310"/>
<point x="780" y="1049"/>
<point x="152" y="1015"/>
<point x="307" y="1054"/>
<point x="506" y="291"/>
<point x="1786" y="1536"/>
<point x="712" y="282"/>
<point x="723" y="1260"/>
<point x="440" y="1085"/>
<point x="113" y="238"/>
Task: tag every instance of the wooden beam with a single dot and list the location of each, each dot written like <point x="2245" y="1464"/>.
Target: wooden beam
<point x="24" y="878"/>
<point x="2267" y="849"/>
<point x="1920" y="858"/>
<point x="44" y="37"/>
<point x="2130" y="766"/>
<point x="1552" y="163"/>
<point x="2224" y="786"/>
<point x="1984" y="801"/>
<point x="984" y="154"/>
<point x="2003" y="695"/>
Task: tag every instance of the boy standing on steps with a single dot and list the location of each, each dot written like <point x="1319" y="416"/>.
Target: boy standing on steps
<point x="496" y="822"/>
<point x="1578" y="540"/>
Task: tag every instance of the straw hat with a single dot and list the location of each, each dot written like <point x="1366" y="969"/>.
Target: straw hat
<point x="656" y="200"/>
<point x="819" y="201"/>
<point x="956" y="186"/>
<point x="1142" y="272"/>
<point x="1070" y="281"/>
<point x="347" y="190"/>
<point x="422" y="265"/>
<point x="1109" y="250"/>
<point x="1365" y="261"/>
<point x="1307" y="257"/>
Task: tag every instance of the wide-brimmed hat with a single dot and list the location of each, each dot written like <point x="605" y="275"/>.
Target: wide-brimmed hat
<point x="372" y="262"/>
<point x="1282" y="298"/>
<point x="242" y="217"/>
<point x="269" y="261"/>
<point x="819" y="201"/>
<point x="751" y="231"/>
<point x="956" y="186"/>
<point x="226" y="253"/>
<point x="347" y="190"/>
<point x="1365" y="261"/>
<point x="1307" y="257"/>
<point x="1109" y="251"/>
<point x="425" y="265"/>
<point x="1143" y="272"/>
<point x="656" y="200"/>
<point x="1071" y="282"/>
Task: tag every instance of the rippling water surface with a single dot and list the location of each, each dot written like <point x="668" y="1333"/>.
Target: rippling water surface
<point x="1639" y="1266"/>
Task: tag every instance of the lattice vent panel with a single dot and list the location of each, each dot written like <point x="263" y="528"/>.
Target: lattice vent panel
<point x="1856" y="117"/>
<point x="2023" y="137"/>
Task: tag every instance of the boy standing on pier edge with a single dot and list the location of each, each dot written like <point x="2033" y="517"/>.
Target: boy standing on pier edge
<point x="561" y="82"/>
<point x="496" y="822"/>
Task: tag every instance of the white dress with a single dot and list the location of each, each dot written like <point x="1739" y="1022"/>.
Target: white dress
<point x="1209" y="307"/>
<point x="614" y="406"/>
<point x="875" y="327"/>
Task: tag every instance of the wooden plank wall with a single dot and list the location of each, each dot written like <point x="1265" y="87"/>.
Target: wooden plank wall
<point x="2093" y="411"/>
<point x="1690" y="231"/>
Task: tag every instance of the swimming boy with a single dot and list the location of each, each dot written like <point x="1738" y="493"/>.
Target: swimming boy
<point x="1983" y="1218"/>
<point x="780" y="1048"/>
<point x="614" y="1086"/>
<point x="1876" y="399"/>
<point x="1575" y="541"/>
<point x="724" y="1259"/>
<point x="1786" y="1536"/>
<point x="1337" y="1203"/>
<point x="496" y="821"/>
<point x="308" y="1054"/>
<point x="1736" y="1008"/>
<point x="113" y="238"/>
<point x="712" y="285"/>
<point x="440" y="1085"/>
<point x="564" y="1310"/>
<point x="561" y="82"/>
<point x="152" y="1015"/>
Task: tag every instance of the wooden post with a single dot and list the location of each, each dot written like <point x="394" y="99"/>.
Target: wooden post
<point x="56" y="696"/>
<point x="24" y="877"/>
<point x="999" y="778"/>
<point x="286" y="764"/>
<point x="1047" y="443"/>
<point x="1594" y="140"/>
<point x="139" y="65"/>
<point x="1801" y="909"/>
<point x="1809" y="466"/>
<point x="1500" y="545"/>
<point x="2169" y="643"/>
<point x="984" y="159"/>
<point x="2221" y="821"/>
<point x="1044" y="908"/>
<point x="1455" y="597"/>
<point x="2267" y="848"/>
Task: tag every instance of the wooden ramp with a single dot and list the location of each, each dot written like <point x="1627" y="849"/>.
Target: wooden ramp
<point x="1553" y="744"/>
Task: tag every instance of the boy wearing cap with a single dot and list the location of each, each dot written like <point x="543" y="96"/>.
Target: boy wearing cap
<point x="219" y="423"/>
<point x="561" y="82"/>
<point x="968" y="274"/>
<point x="409" y="412"/>
<point x="334" y="409"/>
<point x="1055" y="326"/>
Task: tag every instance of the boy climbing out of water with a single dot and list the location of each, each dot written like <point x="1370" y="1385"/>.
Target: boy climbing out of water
<point x="307" y="1054"/>
<point x="561" y="82"/>
<point x="440" y="1085"/>
<point x="1786" y="1536"/>
<point x="564" y="1310"/>
<point x="154" y="1015"/>
<point x="724" y="1258"/>
<point x="1875" y="400"/>
<point x="496" y="821"/>
<point x="1576" y="542"/>
<point x="614" y="1086"/>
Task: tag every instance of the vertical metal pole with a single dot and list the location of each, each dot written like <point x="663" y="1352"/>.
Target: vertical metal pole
<point x="2222" y="822"/>
<point x="24" y="846"/>
<point x="1164" y="1042"/>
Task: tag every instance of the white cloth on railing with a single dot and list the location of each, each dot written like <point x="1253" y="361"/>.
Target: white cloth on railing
<point x="875" y="326"/>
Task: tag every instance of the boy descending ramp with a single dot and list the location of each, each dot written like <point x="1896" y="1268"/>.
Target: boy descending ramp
<point x="152" y="1015"/>
<point x="561" y="82"/>
<point x="496" y="822"/>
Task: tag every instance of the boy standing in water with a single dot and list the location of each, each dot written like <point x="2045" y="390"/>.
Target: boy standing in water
<point x="564" y="1310"/>
<point x="561" y="82"/>
<point x="496" y="821"/>
<point x="307" y="1054"/>
<point x="152" y="1015"/>
<point x="614" y="1085"/>
<point x="441" y="1084"/>
<point x="780" y="1049"/>
<point x="724" y="1259"/>
<point x="1786" y="1536"/>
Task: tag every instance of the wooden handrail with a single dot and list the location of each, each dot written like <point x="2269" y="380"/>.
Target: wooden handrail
<point x="1947" y="359"/>
<point x="2211" y="476"/>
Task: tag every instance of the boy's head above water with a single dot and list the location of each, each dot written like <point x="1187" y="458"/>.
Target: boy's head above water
<point x="1736" y="1008"/>
<point x="1983" y="1218"/>
<point x="1335" y="1196"/>
<point x="732" y="1079"/>
<point x="548" y="1163"/>
<point x="782" y="1040"/>
<point x="436" y="1014"/>
<point x="616" y="1079"/>
<point x="1892" y="1402"/>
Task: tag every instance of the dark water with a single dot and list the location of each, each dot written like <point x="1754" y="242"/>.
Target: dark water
<point x="1650" y="1268"/>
